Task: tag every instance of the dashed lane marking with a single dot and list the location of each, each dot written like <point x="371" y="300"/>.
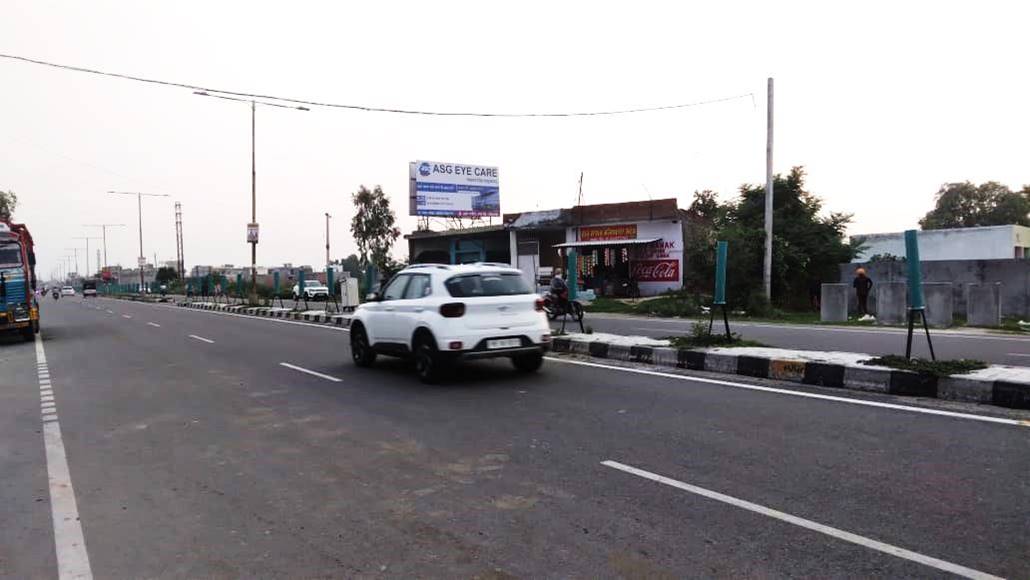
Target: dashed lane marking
<point x="69" y="543"/>
<point x="201" y="338"/>
<point x="310" y="372"/>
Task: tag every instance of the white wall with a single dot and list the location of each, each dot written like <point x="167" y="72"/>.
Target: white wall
<point x="986" y="243"/>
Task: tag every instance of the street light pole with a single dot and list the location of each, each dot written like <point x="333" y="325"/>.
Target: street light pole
<point x="139" y="207"/>
<point x="327" y="216"/>
<point x="75" y="252"/>
<point x="253" y="176"/>
<point x="88" y="271"/>
<point x="103" y="229"/>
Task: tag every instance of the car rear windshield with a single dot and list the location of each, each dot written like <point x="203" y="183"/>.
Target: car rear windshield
<point x="89" y="285"/>
<point x="487" y="284"/>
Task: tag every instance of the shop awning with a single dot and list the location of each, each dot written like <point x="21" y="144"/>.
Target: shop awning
<point x="602" y="243"/>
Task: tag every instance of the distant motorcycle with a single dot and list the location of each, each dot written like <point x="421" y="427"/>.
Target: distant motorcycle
<point x="556" y="306"/>
<point x="56" y="294"/>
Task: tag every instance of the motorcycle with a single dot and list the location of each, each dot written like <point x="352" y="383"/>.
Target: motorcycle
<point x="56" y="294"/>
<point x="556" y="306"/>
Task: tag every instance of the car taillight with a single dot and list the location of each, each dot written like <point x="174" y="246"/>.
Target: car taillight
<point x="539" y="304"/>
<point x="452" y="310"/>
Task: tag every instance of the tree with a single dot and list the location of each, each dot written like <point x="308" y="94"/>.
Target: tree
<point x="8" y="202"/>
<point x="351" y="264"/>
<point x="373" y="226"/>
<point x="807" y="246"/>
<point x="165" y="275"/>
<point x="964" y="205"/>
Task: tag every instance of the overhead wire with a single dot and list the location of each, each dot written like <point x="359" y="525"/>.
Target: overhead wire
<point x="368" y="108"/>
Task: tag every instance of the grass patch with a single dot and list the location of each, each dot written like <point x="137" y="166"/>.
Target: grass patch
<point x="940" y="368"/>
<point x="668" y="305"/>
<point x="700" y="338"/>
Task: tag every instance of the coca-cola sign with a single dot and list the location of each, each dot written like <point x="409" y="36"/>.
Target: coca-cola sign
<point x="656" y="271"/>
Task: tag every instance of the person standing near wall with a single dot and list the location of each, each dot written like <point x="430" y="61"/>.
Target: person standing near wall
<point x="863" y="284"/>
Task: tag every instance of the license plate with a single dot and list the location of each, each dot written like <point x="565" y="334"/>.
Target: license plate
<point x="503" y="343"/>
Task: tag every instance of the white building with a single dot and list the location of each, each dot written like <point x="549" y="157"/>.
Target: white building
<point x="981" y="243"/>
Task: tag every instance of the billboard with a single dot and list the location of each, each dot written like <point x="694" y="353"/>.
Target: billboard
<point x="453" y="190"/>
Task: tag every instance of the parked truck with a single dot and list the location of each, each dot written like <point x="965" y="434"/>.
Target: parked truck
<point x="19" y="309"/>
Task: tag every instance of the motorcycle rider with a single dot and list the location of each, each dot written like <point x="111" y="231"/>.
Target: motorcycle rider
<point x="560" y="291"/>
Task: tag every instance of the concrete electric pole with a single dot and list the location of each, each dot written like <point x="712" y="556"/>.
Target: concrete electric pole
<point x="767" y="265"/>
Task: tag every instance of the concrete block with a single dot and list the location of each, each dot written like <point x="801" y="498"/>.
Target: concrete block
<point x="721" y="363"/>
<point x="618" y="351"/>
<point x="967" y="390"/>
<point x="891" y="302"/>
<point x="666" y="357"/>
<point x="983" y="304"/>
<point x="833" y="304"/>
<point x="787" y="370"/>
<point x="579" y="347"/>
<point x="871" y="379"/>
<point x="940" y="310"/>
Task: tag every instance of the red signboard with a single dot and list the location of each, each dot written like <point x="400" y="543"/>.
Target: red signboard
<point x="614" y="232"/>
<point x="656" y="271"/>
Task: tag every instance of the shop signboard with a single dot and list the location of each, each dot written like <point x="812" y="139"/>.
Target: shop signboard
<point x="453" y="190"/>
<point x="656" y="270"/>
<point x="612" y="232"/>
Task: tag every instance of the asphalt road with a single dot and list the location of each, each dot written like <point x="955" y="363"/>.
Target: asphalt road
<point x="194" y="452"/>
<point x="1010" y="349"/>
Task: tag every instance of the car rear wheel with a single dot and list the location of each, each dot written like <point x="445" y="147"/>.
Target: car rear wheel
<point x="528" y="363"/>
<point x="360" y="349"/>
<point x="427" y="361"/>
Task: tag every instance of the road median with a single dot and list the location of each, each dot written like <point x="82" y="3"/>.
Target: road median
<point x="998" y="385"/>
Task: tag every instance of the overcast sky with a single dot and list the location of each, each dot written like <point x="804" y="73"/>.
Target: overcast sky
<point x="881" y="102"/>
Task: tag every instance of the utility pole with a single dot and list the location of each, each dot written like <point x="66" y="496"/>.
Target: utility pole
<point x="75" y="252"/>
<point x="179" y="259"/>
<point x="767" y="265"/>
<point x="327" y="216"/>
<point x="88" y="271"/>
<point x="252" y="227"/>
<point x="139" y="206"/>
<point x="103" y="228"/>
<point x="579" y="195"/>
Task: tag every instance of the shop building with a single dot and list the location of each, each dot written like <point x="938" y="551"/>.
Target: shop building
<point x="619" y="248"/>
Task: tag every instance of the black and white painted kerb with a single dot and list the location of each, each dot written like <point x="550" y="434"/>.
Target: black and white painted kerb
<point x="1003" y="393"/>
<point x="267" y="312"/>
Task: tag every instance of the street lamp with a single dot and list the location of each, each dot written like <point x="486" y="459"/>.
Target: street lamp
<point x="75" y="252"/>
<point x="88" y="271"/>
<point x="327" y="216"/>
<point x="104" y="229"/>
<point x="139" y="206"/>
<point x="252" y="227"/>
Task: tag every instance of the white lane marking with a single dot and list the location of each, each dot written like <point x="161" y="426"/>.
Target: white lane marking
<point x="201" y="338"/>
<point x="126" y="316"/>
<point x="953" y="414"/>
<point x="1016" y="354"/>
<point x="310" y="372"/>
<point x="46" y="398"/>
<point x="154" y="324"/>
<point x="807" y="524"/>
<point x="110" y="311"/>
<point x="69" y="543"/>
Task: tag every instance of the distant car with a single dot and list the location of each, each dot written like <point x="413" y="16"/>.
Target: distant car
<point x="89" y="289"/>
<point x="438" y="314"/>
<point x="313" y="290"/>
<point x="67" y="291"/>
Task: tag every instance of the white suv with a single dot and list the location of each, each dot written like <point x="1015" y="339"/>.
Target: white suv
<point x="437" y="314"/>
<point x="313" y="290"/>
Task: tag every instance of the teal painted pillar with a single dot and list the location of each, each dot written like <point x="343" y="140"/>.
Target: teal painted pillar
<point x="300" y="283"/>
<point x="721" y="250"/>
<point x="275" y="283"/>
<point x="239" y="284"/>
<point x="329" y="280"/>
<point x="916" y="299"/>
<point x="572" y="274"/>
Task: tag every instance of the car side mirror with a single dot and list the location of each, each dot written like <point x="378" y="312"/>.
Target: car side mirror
<point x="373" y="297"/>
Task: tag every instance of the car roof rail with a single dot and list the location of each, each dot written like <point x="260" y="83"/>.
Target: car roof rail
<point x="428" y="265"/>
<point x="494" y="264"/>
